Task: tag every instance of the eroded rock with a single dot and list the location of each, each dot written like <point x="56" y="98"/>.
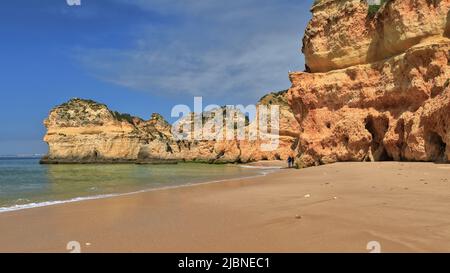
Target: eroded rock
<point x="84" y="131"/>
<point x="343" y="33"/>
<point x="383" y="102"/>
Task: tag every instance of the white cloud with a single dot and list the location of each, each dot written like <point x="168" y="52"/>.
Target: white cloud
<point x="218" y="49"/>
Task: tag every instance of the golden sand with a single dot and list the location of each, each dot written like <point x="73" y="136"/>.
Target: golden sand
<point x="335" y="208"/>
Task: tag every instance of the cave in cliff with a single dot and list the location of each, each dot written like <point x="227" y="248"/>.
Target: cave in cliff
<point x="377" y="127"/>
<point x="436" y="148"/>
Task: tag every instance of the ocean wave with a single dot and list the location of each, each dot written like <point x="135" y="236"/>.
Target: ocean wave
<point x="52" y="203"/>
<point x="261" y="167"/>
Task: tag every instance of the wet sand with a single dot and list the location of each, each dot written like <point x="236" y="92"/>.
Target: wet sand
<point x="335" y="208"/>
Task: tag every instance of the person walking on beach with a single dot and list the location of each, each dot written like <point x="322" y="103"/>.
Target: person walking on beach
<point x="290" y="161"/>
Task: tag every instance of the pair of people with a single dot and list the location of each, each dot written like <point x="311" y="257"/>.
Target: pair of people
<point x="290" y="161"/>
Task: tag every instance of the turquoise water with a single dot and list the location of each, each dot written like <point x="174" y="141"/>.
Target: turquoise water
<point x="24" y="183"/>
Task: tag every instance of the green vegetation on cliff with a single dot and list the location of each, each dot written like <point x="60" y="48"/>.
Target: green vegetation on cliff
<point x="373" y="8"/>
<point x="122" y="116"/>
<point x="275" y="98"/>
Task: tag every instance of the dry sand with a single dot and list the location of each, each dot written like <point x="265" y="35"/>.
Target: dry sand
<point x="403" y="206"/>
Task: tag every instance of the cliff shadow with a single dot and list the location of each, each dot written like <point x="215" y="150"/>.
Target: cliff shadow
<point x="447" y="26"/>
<point x="377" y="127"/>
<point x="436" y="148"/>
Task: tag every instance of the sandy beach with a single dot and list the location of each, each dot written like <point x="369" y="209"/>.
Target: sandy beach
<point x="334" y="208"/>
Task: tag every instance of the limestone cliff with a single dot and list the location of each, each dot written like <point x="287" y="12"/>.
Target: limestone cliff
<point x="377" y="87"/>
<point x="89" y="131"/>
<point x="84" y="131"/>
<point x="343" y="33"/>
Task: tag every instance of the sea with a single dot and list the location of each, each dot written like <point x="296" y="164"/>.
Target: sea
<point x="25" y="184"/>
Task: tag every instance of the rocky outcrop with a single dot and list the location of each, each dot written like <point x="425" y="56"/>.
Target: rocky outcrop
<point x="344" y="33"/>
<point x="378" y="84"/>
<point x="84" y="131"/>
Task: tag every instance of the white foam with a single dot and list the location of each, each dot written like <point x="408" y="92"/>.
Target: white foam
<point x="52" y="203"/>
<point x="261" y="167"/>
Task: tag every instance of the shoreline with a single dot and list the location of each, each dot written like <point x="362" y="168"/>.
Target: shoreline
<point x="112" y="195"/>
<point x="332" y="208"/>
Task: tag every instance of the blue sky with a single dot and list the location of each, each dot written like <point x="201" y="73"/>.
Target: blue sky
<point x="140" y="56"/>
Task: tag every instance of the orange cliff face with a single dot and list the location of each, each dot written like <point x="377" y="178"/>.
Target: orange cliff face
<point x="84" y="131"/>
<point x="343" y="33"/>
<point x="379" y="84"/>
